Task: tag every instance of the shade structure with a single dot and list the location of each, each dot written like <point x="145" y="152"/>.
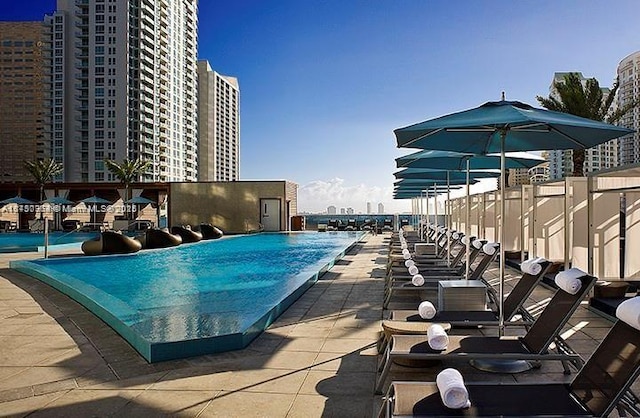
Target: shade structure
<point x="479" y="130"/>
<point x="498" y="127"/>
<point x="430" y="182"/>
<point x="450" y="160"/>
<point x="94" y="201"/>
<point x="18" y="200"/>
<point x="57" y="200"/>
<point x="426" y="173"/>
<point x="139" y="200"/>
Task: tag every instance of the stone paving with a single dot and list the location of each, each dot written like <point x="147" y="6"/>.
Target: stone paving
<point x="317" y="360"/>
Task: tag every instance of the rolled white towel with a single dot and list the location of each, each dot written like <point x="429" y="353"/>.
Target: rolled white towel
<point x="490" y="248"/>
<point x="477" y="244"/>
<point x="569" y="280"/>
<point x="417" y="280"/>
<point x="455" y="235"/>
<point x="532" y="266"/>
<point x="413" y="270"/>
<point x="406" y="256"/>
<point x="404" y="246"/>
<point x="426" y="310"/>
<point x="405" y="251"/>
<point x="449" y="234"/>
<point x="465" y="240"/>
<point x="629" y="312"/>
<point x="409" y="263"/>
<point x="437" y="337"/>
<point x="452" y="390"/>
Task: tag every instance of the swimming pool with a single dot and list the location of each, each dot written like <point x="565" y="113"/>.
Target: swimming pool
<point x="13" y="242"/>
<point x="199" y="298"/>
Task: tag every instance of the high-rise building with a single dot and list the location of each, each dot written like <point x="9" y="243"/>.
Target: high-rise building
<point x="331" y="210"/>
<point x="380" y="208"/>
<point x="517" y="177"/>
<point x="629" y="77"/>
<point x="596" y="158"/>
<point x="369" y="208"/>
<point x="343" y="211"/>
<point x="218" y="125"/>
<point x="350" y="211"/>
<point x="124" y="85"/>
<point x="22" y="97"/>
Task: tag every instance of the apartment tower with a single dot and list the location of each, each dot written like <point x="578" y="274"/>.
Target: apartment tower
<point x="596" y="158"/>
<point x="124" y="85"/>
<point x="628" y="77"/>
<point x="218" y="125"/>
<point x="22" y="97"/>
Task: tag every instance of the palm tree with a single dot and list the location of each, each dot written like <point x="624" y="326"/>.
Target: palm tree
<point x="43" y="171"/>
<point x="127" y="172"/>
<point x="586" y="100"/>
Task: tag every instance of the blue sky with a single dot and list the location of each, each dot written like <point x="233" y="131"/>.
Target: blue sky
<point x="324" y="83"/>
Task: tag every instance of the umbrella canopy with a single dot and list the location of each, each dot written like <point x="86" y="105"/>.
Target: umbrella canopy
<point x="524" y="127"/>
<point x="95" y="200"/>
<point x="18" y="200"/>
<point x="449" y="160"/>
<point x="425" y="173"/>
<point x="429" y="182"/>
<point x="57" y="200"/>
<point x="140" y="201"/>
<point x="506" y="126"/>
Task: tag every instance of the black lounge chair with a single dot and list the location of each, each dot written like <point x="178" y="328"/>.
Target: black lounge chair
<point x="351" y="225"/>
<point x="602" y="385"/>
<point x="534" y="346"/>
<point x="409" y="322"/>
<point x="387" y="225"/>
<point x="403" y="284"/>
<point x="332" y="225"/>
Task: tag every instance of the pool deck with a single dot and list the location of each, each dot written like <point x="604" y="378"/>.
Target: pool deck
<point x="317" y="360"/>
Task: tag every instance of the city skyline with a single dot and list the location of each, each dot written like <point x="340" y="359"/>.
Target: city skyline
<point x="322" y="93"/>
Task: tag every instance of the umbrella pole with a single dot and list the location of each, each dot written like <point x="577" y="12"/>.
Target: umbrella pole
<point x="449" y="221"/>
<point x="467" y="228"/>
<point x="426" y="199"/>
<point x="435" y="200"/>
<point x="503" y="183"/>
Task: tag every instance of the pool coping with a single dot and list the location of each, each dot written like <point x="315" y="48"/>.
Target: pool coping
<point x="162" y="351"/>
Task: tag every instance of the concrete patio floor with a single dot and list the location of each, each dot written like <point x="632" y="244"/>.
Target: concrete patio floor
<point x="317" y="360"/>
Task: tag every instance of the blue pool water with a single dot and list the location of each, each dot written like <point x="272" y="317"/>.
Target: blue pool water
<point x="12" y="242"/>
<point x="197" y="298"/>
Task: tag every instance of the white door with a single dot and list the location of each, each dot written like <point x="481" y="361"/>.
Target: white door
<point x="270" y="214"/>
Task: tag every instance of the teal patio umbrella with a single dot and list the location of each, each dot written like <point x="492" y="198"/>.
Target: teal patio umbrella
<point x="499" y="127"/>
<point x="427" y="173"/>
<point x="451" y="160"/>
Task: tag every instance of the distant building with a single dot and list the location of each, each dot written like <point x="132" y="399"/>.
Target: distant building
<point x="343" y="211"/>
<point x="22" y="87"/>
<point x="539" y="173"/>
<point x="123" y="80"/>
<point x="518" y="176"/>
<point x="218" y="125"/>
<point x="596" y="158"/>
<point x="368" y="207"/>
<point x="350" y="211"/>
<point x="380" y="208"/>
<point x="331" y="210"/>
<point x="628" y="75"/>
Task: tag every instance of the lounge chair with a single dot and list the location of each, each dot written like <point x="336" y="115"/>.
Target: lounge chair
<point x="387" y="225"/>
<point x="534" y="346"/>
<point x="600" y="386"/>
<point x="403" y="284"/>
<point x="351" y="225"/>
<point x="332" y="225"/>
<point x="410" y="322"/>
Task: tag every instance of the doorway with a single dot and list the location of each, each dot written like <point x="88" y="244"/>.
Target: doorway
<point x="270" y="214"/>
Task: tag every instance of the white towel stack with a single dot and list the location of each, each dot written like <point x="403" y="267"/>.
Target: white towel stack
<point x="437" y="337"/>
<point x="569" y="280"/>
<point x="426" y="310"/>
<point x="532" y="266"/>
<point x="490" y="248"/>
<point x="413" y="270"/>
<point x="477" y="244"/>
<point x="452" y="390"/>
<point x="456" y="235"/>
<point x="629" y="312"/>
<point x="417" y="280"/>
<point x="409" y="263"/>
<point x="406" y="256"/>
